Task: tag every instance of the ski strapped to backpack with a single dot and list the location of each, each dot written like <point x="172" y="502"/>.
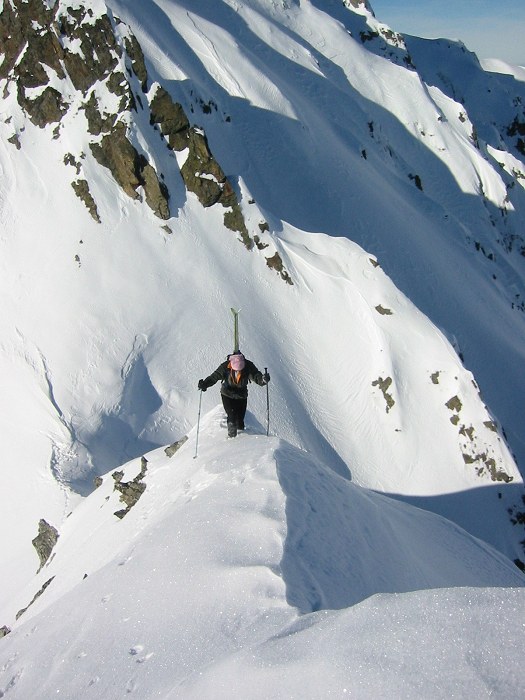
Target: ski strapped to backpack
<point x="235" y="329"/>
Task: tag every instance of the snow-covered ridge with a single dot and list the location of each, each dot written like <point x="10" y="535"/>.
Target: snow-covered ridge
<point x="384" y="176"/>
<point x="495" y="65"/>
<point x="251" y="543"/>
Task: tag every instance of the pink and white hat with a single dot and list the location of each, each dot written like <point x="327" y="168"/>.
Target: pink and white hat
<point x="237" y="361"/>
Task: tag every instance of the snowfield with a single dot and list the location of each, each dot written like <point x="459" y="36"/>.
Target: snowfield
<point x="366" y="548"/>
<point x="255" y="571"/>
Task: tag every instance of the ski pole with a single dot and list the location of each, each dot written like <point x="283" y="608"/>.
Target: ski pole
<point x="267" y="405"/>
<point x="198" y="425"/>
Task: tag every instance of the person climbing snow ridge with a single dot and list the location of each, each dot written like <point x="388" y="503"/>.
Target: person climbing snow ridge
<point x="235" y="373"/>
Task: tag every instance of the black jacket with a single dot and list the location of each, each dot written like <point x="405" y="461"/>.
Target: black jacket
<point x="231" y="388"/>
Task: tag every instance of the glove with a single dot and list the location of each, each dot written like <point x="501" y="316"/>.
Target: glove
<point x="266" y="378"/>
<point x="201" y="385"/>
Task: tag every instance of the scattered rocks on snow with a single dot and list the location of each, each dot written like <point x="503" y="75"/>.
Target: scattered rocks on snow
<point x="4" y="631"/>
<point x="454" y="404"/>
<point x="471" y="453"/>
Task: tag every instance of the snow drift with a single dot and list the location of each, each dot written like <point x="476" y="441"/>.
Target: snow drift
<point x="225" y="566"/>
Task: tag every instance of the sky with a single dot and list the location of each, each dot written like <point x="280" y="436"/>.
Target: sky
<point x="490" y="28"/>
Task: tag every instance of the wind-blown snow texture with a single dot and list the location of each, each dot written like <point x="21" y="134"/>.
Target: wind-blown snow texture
<point x="388" y="174"/>
<point x="248" y="573"/>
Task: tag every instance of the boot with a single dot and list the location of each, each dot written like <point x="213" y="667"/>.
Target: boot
<point x="232" y="429"/>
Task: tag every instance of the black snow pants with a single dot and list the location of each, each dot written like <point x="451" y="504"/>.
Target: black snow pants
<point x="235" y="411"/>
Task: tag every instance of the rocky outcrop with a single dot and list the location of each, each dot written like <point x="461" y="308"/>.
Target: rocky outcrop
<point x="275" y="262"/>
<point x="130" y="491"/>
<point x="45" y="541"/>
<point x="171" y="119"/>
<point x="234" y="220"/>
<point x="116" y="153"/>
<point x="37" y="41"/>
<point x="99" y="51"/>
<point x="44" y="45"/>
<point x="35" y="597"/>
<point x="81" y="188"/>
<point x="517" y="128"/>
<point x="46" y="108"/>
<point x="201" y="172"/>
<point x="155" y="192"/>
<point x="384" y="385"/>
<point x="20" y="27"/>
<point x="131" y="170"/>
<point x="203" y="175"/>
<point x="136" y="57"/>
<point x="175" y="447"/>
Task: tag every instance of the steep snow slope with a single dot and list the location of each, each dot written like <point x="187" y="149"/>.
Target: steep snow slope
<point x="362" y="130"/>
<point x="107" y="327"/>
<point x="199" y="589"/>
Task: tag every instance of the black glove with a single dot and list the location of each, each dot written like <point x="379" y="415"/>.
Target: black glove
<point x="201" y="385"/>
<point x="266" y="378"/>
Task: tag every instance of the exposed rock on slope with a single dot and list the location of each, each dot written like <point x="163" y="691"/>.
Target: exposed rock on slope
<point x="64" y="60"/>
<point x="45" y="541"/>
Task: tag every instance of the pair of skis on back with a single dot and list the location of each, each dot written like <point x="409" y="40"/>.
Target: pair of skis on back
<point x="235" y="313"/>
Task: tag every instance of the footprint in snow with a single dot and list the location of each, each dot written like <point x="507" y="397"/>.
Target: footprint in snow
<point x="137" y="651"/>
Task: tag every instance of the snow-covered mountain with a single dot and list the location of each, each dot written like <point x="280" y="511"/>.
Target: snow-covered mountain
<point x="360" y="196"/>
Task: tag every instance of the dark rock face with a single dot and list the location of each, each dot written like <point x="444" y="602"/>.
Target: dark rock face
<point x="276" y="263"/>
<point x="171" y="118"/>
<point x="100" y="51"/>
<point x="117" y="154"/>
<point x="517" y="128"/>
<point x="131" y="170"/>
<point x="81" y="188"/>
<point x="98" y="123"/>
<point x="20" y="24"/>
<point x="45" y="541"/>
<point x="45" y="109"/>
<point x="156" y="192"/>
<point x="202" y="174"/>
<point x="138" y="65"/>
